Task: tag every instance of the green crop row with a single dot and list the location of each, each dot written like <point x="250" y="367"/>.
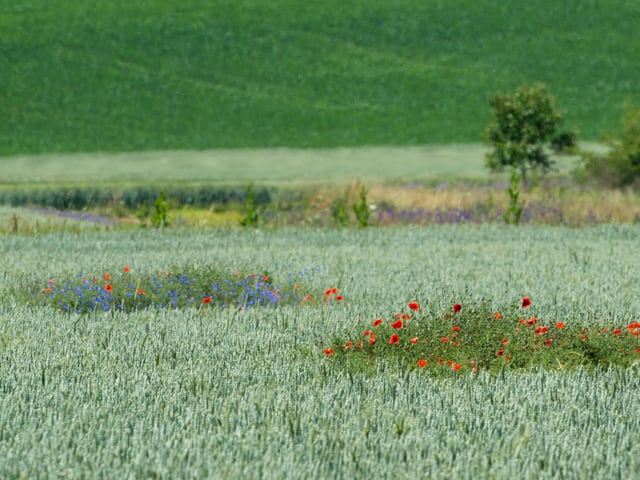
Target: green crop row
<point x="78" y="198"/>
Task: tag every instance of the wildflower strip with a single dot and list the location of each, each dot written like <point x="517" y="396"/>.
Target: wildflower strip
<point x="472" y="339"/>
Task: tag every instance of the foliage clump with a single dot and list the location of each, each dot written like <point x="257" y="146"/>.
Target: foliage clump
<point x="252" y="214"/>
<point x="339" y="210"/>
<point x="620" y="166"/>
<point x="159" y="218"/>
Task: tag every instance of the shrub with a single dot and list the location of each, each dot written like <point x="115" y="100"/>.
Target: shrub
<point x="523" y="122"/>
<point x="253" y="215"/>
<point x="361" y="209"/>
<point x="564" y="142"/>
<point x="159" y="218"/>
<point x="620" y="166"/>
<point x="339" y="211"/>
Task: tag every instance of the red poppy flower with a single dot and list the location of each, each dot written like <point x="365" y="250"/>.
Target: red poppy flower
<point x="456" y="328"/>
<point x="397" y="324"/>
<point x="456" y="366"/>
<point x="444" y="339"/>
<point x="541" y="330"/>
<point x="414" y="340"/>
<point x="377" y="322"/>
<point x="106" y="276"/>
<point x="372" y="339"/>
<point x="559" y="325"/>
<point x="547" y="342"/>
<point x="457" y="307"/>
<point x="327" y="292"/>
<point x="617" y="332"/>
<point x="140" y="291"/>
<point x="328" y="351"/>
<point x="526" y="302"/>
<point x="207" y="299"/>
<point x="395" y="339"/>
<point x="47" y="290"/>
<point x="532" y="321"/>
<point x="414" y="306"/>
<point x="359" y="344"/>
<point x="497" y="315"/>
<point x="505" y="341"/>
<point x="126" y="269"/>
<point x="500" y="352"/>
<point x="366" y="333"/>
<point x="265" y="278"/>
<point x="347" y="345"/>
<point x="422" y="363"/>
<point x="108" y="287"/>
<point x="339" y="298"/>
<point x="334" y="290"/>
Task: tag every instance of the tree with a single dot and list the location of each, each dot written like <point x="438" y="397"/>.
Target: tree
<point x="523" y="123"/>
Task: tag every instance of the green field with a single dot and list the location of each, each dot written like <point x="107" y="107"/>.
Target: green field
<point x="168" y="75"/>
<point x="333" y="111"/>
<point x="227" y="394"/>
<point x="340" y="165"/>
<point x="264" y="166"/>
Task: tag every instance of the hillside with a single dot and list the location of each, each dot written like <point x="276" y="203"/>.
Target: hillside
<point x="153" y="75"/>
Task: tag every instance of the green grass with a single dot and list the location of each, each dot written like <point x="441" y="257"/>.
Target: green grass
<point x="157" y="75"/>
<point x="262" y="166"/>
<point x="229" y="394"/>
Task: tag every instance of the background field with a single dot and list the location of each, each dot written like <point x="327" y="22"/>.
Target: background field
<point x="158" y="75"/>
<point x="334" y="166"/>
<point x="229" y="395"/>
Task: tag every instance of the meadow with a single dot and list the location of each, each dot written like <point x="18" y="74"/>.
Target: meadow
<point x="222" y="393"/>
<point x="162" y="75"/>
